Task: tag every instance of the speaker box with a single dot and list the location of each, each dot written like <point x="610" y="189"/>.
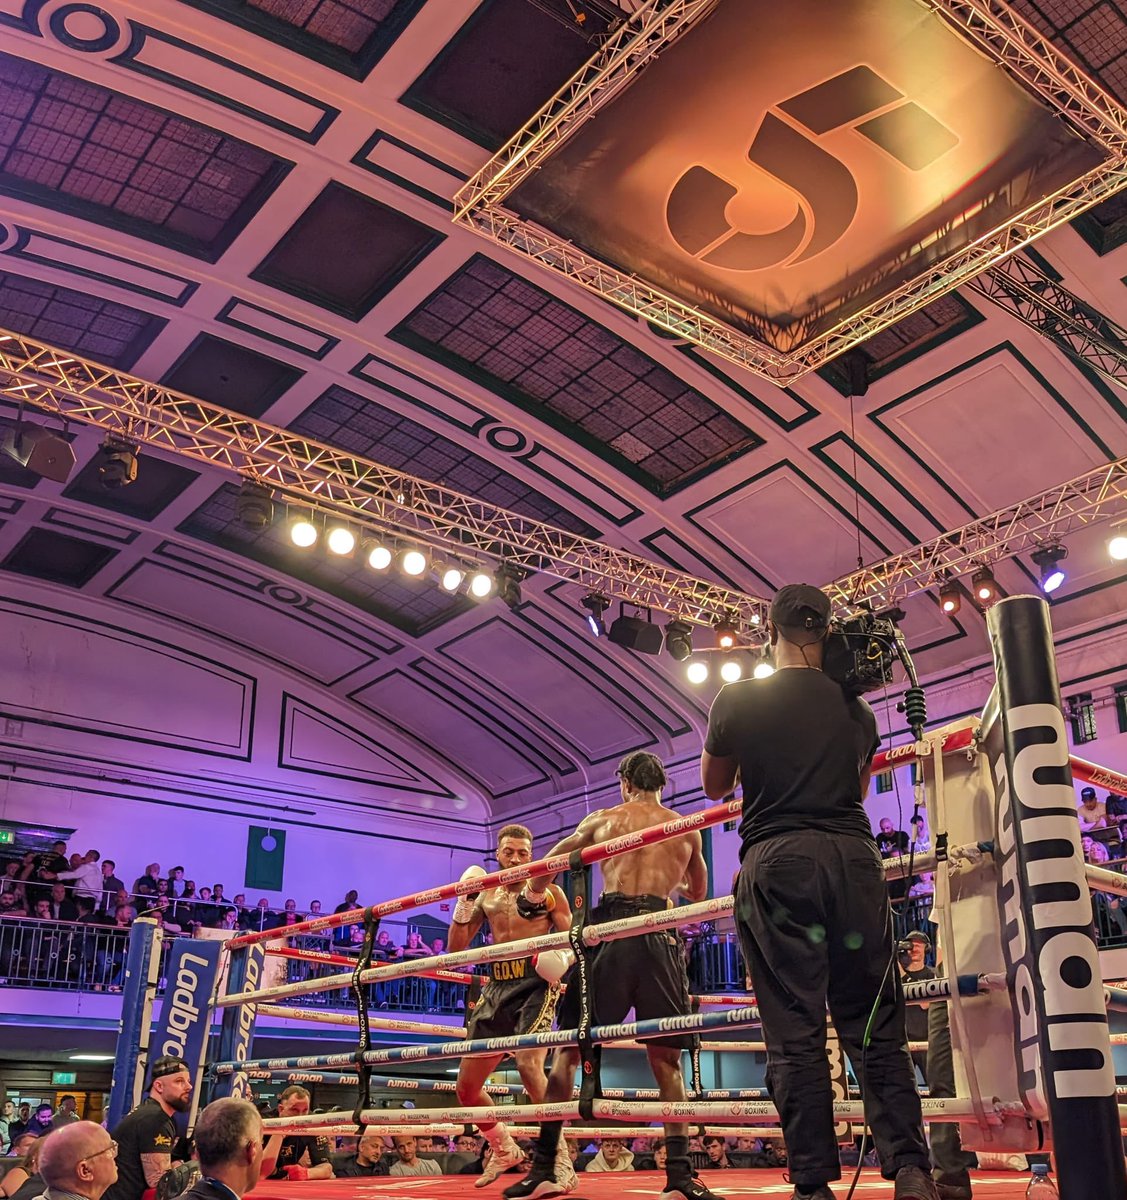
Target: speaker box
<point x="41" y="451"/>
<point x="635" y="634"/>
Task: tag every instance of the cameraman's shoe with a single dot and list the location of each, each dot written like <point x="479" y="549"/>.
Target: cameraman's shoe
<point x="691" y="1189"/>
<point x="914" y="1183"/>
<point x="822" y="1192"/>
<point x="536" y="1185"/>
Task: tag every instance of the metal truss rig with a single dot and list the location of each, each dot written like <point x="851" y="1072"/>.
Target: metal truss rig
<point x="363" y="492"/>
<point x="1100" y="495"/>
<point x="1045" y="306"/>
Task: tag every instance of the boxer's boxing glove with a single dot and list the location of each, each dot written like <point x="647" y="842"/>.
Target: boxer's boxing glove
<point x="463" y="910"/>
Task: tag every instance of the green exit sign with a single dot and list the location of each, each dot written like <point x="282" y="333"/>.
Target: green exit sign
<point x="7" y="837"/>
<point x="64" y="1078"/>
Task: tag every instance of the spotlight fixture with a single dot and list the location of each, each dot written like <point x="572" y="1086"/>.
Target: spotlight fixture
<point x="731" y="671"/>
<point x="985" y="586"/>
<point x="452" y="578"/>
<point x="254" y="505"/>
<point x="341" y="540"/>
<point x="37" y="448"/>
<point x="764" y="668"/>
<point x="1117" y="546"/>
<point x="595" y="605"/>
<point x="1048" y="560"/>
<point x="950" y="597"/>
<point x="678" y="640"/>
<point x="379" y="556"/>
<point x="636" y="633"/>
<point x="697" y="671"/>
<point x="412" y="561"/>
<point x="303" y="533"/>
<point x="481" y="584"/>
<point x="507" y="579"/>
<point x="118" y="465"/>
<point x="725" y="633"/>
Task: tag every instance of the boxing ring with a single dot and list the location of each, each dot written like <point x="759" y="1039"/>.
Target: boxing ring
<point x="1026" y="1000"/>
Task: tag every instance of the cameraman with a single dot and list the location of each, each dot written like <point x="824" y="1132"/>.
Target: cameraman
<point x="812" y="903"/>
<point x="911" y="954"/>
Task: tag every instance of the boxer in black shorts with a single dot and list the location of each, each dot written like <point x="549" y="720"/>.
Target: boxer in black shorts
<point x="645" y="972"/>
<point x="521" y="994"/>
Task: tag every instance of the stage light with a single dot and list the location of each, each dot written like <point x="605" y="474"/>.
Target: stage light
<point x="1117" y="547"/>
<point x="636" y="633"/>
<point x="303" y="533"/>
<point x="481" y="584"/>
<point x="452" y="578"/>
<point x="508" y="578"/>
<point x="697" y="671"/>
<point x="47" y="454"/>
<point x="950" y="598"/>
<point x="725" y="633"/>
<point x="412" y="561"/>
<point x="117" y="467"/>
<point x="764" y="668"/>
<point x="595" y="605"/>
<point x="341" y="540"/>
<point x="984" y="585"/>
<point x="254" y="505"/>
<point x="1048" y="560"/>
<point x="731" y="671"/>
<point x="379" y="556"/>
<point x="678" y="640"/>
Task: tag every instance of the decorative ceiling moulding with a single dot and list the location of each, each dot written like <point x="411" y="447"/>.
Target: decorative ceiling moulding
<point x="635" y="182"/>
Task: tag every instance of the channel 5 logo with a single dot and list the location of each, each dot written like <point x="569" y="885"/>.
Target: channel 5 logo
<point x="787" y="147"/>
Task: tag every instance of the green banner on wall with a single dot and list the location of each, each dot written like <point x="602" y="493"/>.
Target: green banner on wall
<point x="266" y="858"/>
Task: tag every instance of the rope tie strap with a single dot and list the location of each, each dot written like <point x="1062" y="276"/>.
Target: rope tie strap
<point x="590" y="1054"/>
<point x="364" y="1042"/>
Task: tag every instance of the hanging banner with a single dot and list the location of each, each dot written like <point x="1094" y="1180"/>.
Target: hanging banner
<point x="1062" y="1045"/>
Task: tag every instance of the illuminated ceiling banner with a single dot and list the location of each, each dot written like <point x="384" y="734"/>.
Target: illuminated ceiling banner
<point x="783" y="169"/>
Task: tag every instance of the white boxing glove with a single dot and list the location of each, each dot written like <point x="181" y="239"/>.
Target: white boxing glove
<point x="553" y="965"/>
<point x="463" y="910"/>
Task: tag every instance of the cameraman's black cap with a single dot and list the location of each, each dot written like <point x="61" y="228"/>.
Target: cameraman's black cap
<point x="918" y="935"/>
<point x="802" y="606"/>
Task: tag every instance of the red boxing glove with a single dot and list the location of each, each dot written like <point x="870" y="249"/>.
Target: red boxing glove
<point x="297" y="1171"/>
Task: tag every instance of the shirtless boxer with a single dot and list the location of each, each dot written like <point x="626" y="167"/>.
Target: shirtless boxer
<point x="517" y="999"/>
<point x="645" y="972"/>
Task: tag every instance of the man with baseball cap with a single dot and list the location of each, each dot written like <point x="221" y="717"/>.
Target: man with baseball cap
<point x="146" y="1136"/>
<point x="1092" y="814"/>
<point x="811" y="900"/>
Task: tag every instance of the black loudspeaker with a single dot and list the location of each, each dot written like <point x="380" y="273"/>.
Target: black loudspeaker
<point x="636" y="634"/>
<point x="40" y="450"/>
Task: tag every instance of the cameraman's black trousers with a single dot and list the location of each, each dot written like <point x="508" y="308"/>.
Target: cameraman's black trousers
<point x="813" y="919"/>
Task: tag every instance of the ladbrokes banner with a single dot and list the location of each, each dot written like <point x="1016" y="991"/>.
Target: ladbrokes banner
<point x="1061" y="1040"/>
<point x="184" y="1024"/>
<point x="783" y="165"/>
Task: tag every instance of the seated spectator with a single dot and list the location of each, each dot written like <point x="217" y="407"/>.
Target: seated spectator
<point x="203" y="911"/>
<point x="217" y="896"/>
<point x="1115" y="807"/>
<point x="19" y="1127"/>
<point x="717" y="1150"/>
<point x="314" y="908"/>
<point x="62" y="906"/>
<point x="23" y="1181"/>
<point x="367" y="1159"/>
<point x="920" y="842"/>
<point x="407" y="1161"/>
<point x="747" y="1150"/>
<point x="228" y="1141"/>
<point x="12" y="905"/>
<point x="41" y="1119"/>
<point x="466" y="1143"/>
<point x="146" y="885"/>
<point x="260" y="917"/>
<point x="612" y="1156"/>
<point x="290" y="906"/>
<point x="296" y="1157"/>
<point x="1092" y="814"/>
<point x="10" y="882"/>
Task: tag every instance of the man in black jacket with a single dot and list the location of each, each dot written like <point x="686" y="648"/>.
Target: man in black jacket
<point x="812" y="902"/>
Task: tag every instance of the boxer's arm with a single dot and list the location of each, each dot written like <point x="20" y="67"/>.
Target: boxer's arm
<point x="561" y="914"/>
<point x="461" y="933"/>
<point x="533" y="898"/>
<point x="694" y="887"/>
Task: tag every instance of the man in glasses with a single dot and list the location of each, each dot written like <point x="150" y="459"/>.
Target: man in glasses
<point x="146" y="1136"/>
<point x="78" y="1160"/>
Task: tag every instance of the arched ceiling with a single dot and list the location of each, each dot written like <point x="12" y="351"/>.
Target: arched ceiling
<point x="250" y="201"/>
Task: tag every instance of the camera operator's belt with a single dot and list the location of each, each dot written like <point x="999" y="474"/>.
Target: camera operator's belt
<point x="508" y="970"/>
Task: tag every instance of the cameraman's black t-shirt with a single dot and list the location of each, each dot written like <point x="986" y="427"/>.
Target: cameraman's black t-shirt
<point x="801" y="744"/>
